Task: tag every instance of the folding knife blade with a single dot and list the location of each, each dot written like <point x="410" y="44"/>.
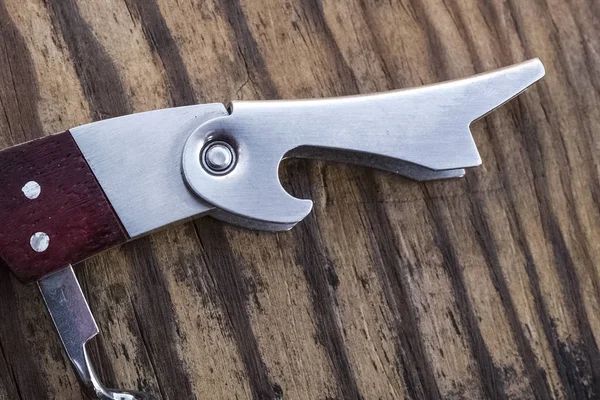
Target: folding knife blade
<point x="422" y="133"/>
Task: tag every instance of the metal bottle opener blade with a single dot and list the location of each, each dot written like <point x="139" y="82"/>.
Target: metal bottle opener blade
<point x="131" y="175"/>
<point x="76" y="326"/>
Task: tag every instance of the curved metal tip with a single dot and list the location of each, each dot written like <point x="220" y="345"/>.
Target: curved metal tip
<point x="76" y="326"/>
<point x="490" y="90"/>
<point x="95" y="389"/>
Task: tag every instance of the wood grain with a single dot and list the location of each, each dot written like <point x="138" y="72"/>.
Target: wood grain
<point x="484" y="287"/>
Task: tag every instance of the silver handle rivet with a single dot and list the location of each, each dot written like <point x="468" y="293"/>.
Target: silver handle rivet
<point x="218" y="158"/>
<point x="32" y="190"/>
<point x="39" y="242"/>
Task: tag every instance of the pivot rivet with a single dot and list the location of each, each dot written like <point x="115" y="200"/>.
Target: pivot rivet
<point x="218" y="158"/>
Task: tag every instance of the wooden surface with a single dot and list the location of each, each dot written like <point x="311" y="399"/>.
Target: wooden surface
<point x="70" y="208"/>
<point x="485" y="287"/>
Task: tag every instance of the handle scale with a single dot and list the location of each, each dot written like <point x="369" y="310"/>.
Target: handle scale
<point x="51" y="201"/>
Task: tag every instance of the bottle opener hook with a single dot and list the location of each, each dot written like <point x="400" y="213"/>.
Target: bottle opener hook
<point x="76" y="327"/>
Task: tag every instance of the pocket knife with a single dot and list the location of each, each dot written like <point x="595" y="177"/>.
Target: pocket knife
<point x="66" y="197"/>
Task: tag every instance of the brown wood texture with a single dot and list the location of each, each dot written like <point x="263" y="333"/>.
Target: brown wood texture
<point x="485" y="287"/>
<point x="70" y="208"/>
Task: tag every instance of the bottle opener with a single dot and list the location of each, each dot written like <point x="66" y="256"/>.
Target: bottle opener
<point x="69" y="196"/>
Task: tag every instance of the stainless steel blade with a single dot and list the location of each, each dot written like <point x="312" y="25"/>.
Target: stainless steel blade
<point x="427" y="127"/>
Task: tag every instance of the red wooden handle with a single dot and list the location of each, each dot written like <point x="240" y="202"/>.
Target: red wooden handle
<point x="53" y="212"/>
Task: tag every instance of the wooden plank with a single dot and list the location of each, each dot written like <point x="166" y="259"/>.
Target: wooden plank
<point x="485" y="287"/>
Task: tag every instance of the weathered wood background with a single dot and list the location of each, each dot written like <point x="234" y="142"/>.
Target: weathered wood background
<point x="485" y="287"/>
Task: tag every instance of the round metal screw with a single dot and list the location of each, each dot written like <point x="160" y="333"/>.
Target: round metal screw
<point x="39" y="242"/>
<point x="218" y="158"/>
